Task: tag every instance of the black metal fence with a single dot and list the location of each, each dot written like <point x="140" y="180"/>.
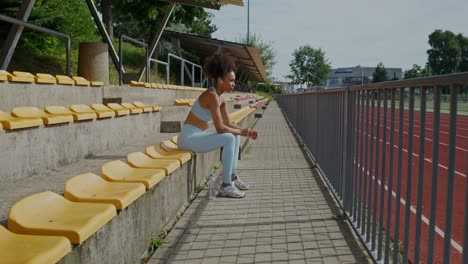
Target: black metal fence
<point x="395" y="155"/>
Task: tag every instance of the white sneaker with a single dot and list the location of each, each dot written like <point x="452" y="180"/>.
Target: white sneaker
<point x="243" y="186"/>
<point x="230" y="191"/>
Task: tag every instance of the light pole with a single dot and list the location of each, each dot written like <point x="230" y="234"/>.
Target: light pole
<point x="248" y="22"/>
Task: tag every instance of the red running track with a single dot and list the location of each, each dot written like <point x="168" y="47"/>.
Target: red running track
<point x="461" y="155"/>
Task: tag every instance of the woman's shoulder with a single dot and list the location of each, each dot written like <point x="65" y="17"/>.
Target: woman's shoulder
<point x="208" y="96"/>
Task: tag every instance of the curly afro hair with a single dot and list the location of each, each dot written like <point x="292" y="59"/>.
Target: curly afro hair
<point x="219" y="65"/>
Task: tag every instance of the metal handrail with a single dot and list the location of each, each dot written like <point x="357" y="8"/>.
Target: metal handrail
<point x="135" y="41"/>
<point x="160" y="62"/>
<point x="169" y="55"/>
<point x="44" y="30"/>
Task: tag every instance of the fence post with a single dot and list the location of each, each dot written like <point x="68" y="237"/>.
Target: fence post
<point x="346" y="147"/>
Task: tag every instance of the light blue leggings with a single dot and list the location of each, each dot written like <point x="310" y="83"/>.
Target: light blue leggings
<point x="197" y="140"/>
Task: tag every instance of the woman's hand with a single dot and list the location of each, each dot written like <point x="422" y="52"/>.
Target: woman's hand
<point x="253" y="134"/>
<point x="245" y="132"/>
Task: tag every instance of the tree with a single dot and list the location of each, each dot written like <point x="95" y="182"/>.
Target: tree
<point x="309" y="66"/>
<point x="267" y="53"/>
<point x="416" y="72"/>
<point x="145" y="15"/>
<point x="463" y="42"/>
<point x="106" y="10"/>
<point x="445" y="54"/>
<point x="380" y="74"/>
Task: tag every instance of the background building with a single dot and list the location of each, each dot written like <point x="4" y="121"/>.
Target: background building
<point x="342" y="77"/>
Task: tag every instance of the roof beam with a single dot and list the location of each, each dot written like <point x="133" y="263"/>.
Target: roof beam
<point x="231" y="2"/>
<point x="193" y="3"/>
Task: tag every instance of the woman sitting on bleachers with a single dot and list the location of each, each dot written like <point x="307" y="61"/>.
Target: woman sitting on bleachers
<point x="220" y="69"/>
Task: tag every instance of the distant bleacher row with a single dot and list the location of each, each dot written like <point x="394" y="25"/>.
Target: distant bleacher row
<point x="42" y="227"/>
<point x="25" y="117"/>
<point x="165" y="86"/>
<point x="44" y="78"/>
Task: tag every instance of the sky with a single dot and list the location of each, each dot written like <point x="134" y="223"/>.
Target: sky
<point x="351" y="33"/>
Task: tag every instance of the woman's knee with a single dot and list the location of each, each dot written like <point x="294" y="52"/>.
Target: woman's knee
<point x="228" y="138"/>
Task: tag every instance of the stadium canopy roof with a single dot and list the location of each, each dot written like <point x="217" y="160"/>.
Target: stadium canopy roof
<point x="214" y="4"/>
<point x="248" y="60"/>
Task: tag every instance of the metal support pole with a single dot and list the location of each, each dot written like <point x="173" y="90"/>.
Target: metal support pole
<point x="182" y="64"/>
<point x="248" y="22"/>
<point x="15" y="34"/>
<point x="148" y="66"/>
<point x="193" y="75"/>
<point x="344" y="173"/>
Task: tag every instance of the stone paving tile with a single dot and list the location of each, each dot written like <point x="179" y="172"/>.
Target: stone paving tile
<point x="285" y="218"/>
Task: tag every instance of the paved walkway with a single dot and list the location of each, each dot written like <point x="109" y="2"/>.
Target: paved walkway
<point x="285" y="218"/>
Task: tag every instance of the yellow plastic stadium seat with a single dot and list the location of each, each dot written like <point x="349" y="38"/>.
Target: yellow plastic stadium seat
<point x="50" y="214"/>
<point x="137" y="84"/>
<point x="84" y="109"/>
<point x="118" y="171"/>
<point x="97" y="83"/>
<point x="81" y="81"/>
<point x="133" y="109"/>
<point x="34" y="112"/>
<point x="174" y="139"/>
<point x="63" y="79"/>
<point x="103" y="111"/>
<point x="45" y="78"/>
<point x="157" y="152"/>
<point x="239" y="115"/>
<point x="23" y="77"/>
<point x="10" y="122"/>
<point x="168" y="145"/>
<point x="119" y="110"/>
<point x="61" y="110"/>
<point x="4" y="75"/>
<point x="146" y="108"/>
<point x="141" y="160"/>
<point x="90" y="188"/>
<point x="27" y="249"/>
<point x="178" y="102"/>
